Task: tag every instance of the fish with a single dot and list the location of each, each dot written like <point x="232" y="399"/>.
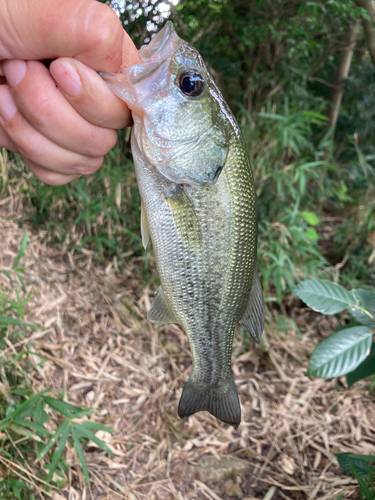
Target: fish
<point x="198" y="209"/>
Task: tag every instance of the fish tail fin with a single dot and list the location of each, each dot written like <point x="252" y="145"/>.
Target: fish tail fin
<point x="222" y="402"/>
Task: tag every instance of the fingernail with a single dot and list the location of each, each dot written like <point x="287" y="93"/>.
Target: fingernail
<point x="8" y="107"/>
<point x="14" y="71"/>
<point x="66" y="77"/>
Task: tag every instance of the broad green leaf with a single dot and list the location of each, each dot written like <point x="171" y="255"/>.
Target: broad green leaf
<point x="340" y="353"/>
<point x="80" y="454"/>
<point x="311" y="218"/>
<point x="324" y="296"/>
<point x="363" y="488"/>
<point x="365" y="369"/>
<point x="358" y="461"/>
<point x="311" y="234"/>
<point x="365" y="300"/>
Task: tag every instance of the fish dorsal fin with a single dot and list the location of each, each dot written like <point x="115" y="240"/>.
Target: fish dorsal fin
<point x="253" y="317"/>
<point x="159" y="312"/>
<point x="145" y="233"/>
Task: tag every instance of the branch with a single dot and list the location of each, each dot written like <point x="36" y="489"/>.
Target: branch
<point x="368" y="24"/>
<point x="176" y="16"/>
<point x="324" y="82"/>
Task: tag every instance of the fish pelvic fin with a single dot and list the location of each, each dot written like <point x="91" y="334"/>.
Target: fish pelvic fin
<point x="222" y="402"/>
<point x="159" y="312"/>
<point x="253" y="317"/>
<point x="144" y="226"/>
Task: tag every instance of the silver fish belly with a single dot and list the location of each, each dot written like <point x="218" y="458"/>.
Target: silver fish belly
<point x="199" y="209"/>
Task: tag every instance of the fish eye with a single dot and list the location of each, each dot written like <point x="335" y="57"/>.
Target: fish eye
<point x="191" y="83"/>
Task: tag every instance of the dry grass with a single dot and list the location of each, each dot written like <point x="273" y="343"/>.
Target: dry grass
<point x="106" y="355"/>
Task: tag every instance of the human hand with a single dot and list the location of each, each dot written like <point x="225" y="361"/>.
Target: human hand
<point x="62" y="132"/>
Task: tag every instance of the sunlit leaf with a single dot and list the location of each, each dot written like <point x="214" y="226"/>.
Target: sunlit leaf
<point x="340" y="353"/>
<point x="324" y="296"/>
<point x="311" y="218"/>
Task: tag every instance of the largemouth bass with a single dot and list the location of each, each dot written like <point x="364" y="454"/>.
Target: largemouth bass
<point x="199" y="208"/>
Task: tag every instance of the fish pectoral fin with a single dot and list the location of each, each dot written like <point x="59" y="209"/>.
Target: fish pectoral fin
<point x="184" y="217"/>
<point x="159" y="312"/>
<point x="145" y="233"/>
<point x="253" y="318"/>
<point x="222" y="403"/>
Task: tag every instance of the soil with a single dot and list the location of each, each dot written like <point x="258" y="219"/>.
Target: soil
<point x="99" y="347"/>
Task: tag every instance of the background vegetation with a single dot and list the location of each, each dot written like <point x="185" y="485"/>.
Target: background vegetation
<point x="284" y="68"/>
<point x="300" y="79"/>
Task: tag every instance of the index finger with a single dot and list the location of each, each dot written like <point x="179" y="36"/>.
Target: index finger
<point x="87" y="30"/>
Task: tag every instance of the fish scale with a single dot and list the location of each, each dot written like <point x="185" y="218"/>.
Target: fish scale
<point x="199" y="202"/>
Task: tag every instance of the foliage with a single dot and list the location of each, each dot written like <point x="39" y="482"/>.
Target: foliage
<point x="348" y="351"/>
<point x="31" y="456"/>
<point x="99" y="213"/>
<point x="25" y="419"/>
<point x="360" y="466"/>
<point x="276" y="65"/>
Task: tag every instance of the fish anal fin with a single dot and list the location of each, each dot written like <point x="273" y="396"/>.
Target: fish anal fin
<point x="159" y="312"/>
<point x="222" y="402"/>
<point x="145" y="233"/>
<point x="253" y="317"/>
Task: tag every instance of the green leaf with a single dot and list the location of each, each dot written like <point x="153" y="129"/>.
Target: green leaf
<point x="358" y="461"/>
<point x="311" y="234"/>
<point x="311" y="218"/>
<point x="96" y="426"/>
<point x="59" y="449"/>
<point x="340" y="353"/>
<point x="365" y="300"/>
<point x="80" y="454"/>
<point x="27" y="423"/>
<point x="25" y="406"/>
<point x="8" y="320"/>
<point x="21" y="250"/>
<point x="363" y="370"/>
<point x="324" y="296"/>
<point x="67" y="409"/>
<point x="62" y="428"/>
<point x="83" y="431"/>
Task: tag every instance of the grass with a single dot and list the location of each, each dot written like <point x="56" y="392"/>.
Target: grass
<point x="316" y="217"/>
<point x="99" y="346"/>
<point x="27" y="448"/>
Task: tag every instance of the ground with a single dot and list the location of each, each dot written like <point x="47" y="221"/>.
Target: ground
<point x="101" y="349"/>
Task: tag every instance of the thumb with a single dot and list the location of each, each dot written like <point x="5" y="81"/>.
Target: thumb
<point x="87" y="30"/>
